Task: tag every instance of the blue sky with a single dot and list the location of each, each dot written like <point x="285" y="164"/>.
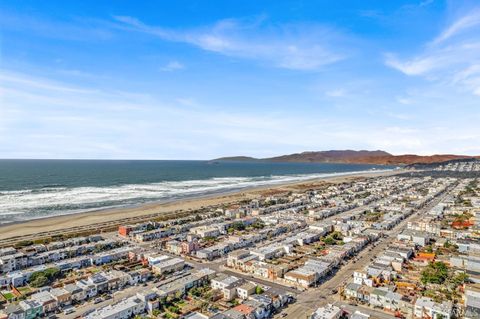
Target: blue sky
<point x="202" y="79"/>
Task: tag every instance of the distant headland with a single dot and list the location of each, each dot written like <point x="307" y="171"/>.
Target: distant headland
<point x="354" y="157"/>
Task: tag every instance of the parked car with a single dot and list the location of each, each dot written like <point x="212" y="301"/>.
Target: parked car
<point x="69" y="311"/>
<point x="86" y="313"/>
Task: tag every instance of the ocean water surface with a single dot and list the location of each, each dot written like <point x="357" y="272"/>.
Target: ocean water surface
<point x="31" y="189"/>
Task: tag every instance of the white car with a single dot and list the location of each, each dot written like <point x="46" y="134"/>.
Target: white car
<point x="69" y="311"/>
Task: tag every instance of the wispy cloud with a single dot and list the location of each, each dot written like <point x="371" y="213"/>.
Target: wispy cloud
<point x="451" y="58"/>
<point x="336" y="93"/>
<point x="294" y="46"/>
<point x="63" y="120"/>
<point x="80" y="29"/>
<point x="172" y="66"/>
<point x="425" y="3"/>
<point x="468" y="21"/>
<point x="404" y="100"/>
<point x="418" y="65"/>
<point x="46" y="84"/>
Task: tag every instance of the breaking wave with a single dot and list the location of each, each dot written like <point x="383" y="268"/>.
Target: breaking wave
<point x="53" y="200"/>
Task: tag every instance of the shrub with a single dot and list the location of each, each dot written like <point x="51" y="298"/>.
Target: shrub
<point x="258" y="290"/>
<point x="435" y="273"/>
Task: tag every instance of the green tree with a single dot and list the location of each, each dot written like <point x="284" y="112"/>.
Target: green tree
<point x="39" y="281"/>
<point x="337" y="235"/>
<point x="460" y="279"/>
<point x="258" y="290"/>
<point x="434" y="273"/>
<point x="329" y="240"/>
<point x="52" y="273"/>
<point x="173" y="309"/>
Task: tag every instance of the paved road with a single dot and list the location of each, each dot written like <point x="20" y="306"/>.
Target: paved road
<point x="313" y="298"/>
<point x="307" y="302"/>
<point x="117" y="296"/>
<point x="375" y="314"/>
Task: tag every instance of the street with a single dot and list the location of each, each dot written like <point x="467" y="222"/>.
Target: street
<point x="310" y="300"/>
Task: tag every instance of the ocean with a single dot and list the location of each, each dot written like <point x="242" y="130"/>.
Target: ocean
<point x="32" y="189"/>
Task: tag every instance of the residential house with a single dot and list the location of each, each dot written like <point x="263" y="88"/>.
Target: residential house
<point x="328" y="312"/>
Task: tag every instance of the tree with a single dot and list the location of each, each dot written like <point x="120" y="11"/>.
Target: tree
<point x="258" y="224"/>
<point x="435" y="273"/>
<point x="238" y="226"/>
<point x="52" y="273"/>
<point x="178" y="295"/>
<point x="258" y="290"/>
<point x="173" y="309"/>
<point x="460" y="279"/>
<point x="39" y="281"/>
<point x="337" y="235"/>
<point x="329" y="240"/>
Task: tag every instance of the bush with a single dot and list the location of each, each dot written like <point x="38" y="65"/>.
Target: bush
<point x="23" y="243"/>
<point x="173" y="309"/>
<point x="39" y="281"/>
<point x="42" y="278"/>
<point x="435" y="273"/>
<point x="329" y="240"/>
<point x="238" y="226"/>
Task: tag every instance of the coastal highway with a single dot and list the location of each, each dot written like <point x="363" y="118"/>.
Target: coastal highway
<point x="310" y="300"/>
<point x="97" y="228"/>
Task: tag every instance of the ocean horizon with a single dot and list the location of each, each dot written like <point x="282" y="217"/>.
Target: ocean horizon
<point x="33" y="189"/>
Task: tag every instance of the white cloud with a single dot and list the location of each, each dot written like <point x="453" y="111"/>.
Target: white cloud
<point x="466" y="22"/>
<point x="297" y="47"/>
<point x="404" y="100"/>
<point x="44" y="84"/>
<point x="452" y="58"/>
<point x="416" y="66"/>
<point x="426" y="3"/>
<point x="336" y="93"/>
<point x="172" y="66"/>
<point x="52" y="119"/>
<point x="187" y="101"/>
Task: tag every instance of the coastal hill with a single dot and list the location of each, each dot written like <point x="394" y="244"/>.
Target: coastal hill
<point x="353" y="157"/>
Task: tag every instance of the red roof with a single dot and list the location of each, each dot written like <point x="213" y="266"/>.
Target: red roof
<point x="246" y="310"/>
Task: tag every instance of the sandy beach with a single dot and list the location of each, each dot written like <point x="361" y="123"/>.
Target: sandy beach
<point x="56" y="223"/>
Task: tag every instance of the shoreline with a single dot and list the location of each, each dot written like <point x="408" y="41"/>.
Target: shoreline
<point x="92" y="217"/>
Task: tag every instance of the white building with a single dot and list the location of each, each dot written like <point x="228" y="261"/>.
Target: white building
<point x="168" y="265"/>
<point x="425" y="306"/>
<point x="328" y="312"/>
<point x="124" y="309"/>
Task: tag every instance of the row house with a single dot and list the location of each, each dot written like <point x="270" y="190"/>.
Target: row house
<point x="181" y="285"/>
<point x="233" y="287"/>
<point x="416" y="237"/>
<point x="168" y="265"/>
<point x="125" y="309"/>
<point x="427" y="308"/>
<point x="152" y="234"/>
<point x="215" y="251"/>
<point x="20" y="260"/>
<point x="127" y="230"/>
<point x="309" y="273"/>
